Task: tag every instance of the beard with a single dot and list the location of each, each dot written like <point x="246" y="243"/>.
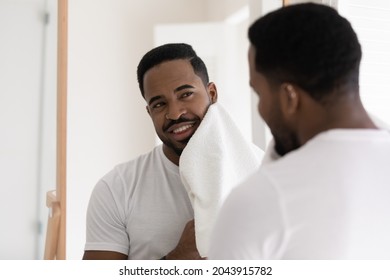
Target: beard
<point x="177" y="147"/>
<point x="286" y="142"/>
<point x="178" y="150"/>
<point x="173" y="146"/>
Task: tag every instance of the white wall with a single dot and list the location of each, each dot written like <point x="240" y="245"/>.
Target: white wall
<point x="27" y="124"/>
<point x="48" y="119"/>
<point x="371" y="22"/>
<point x="220" y="10"/>
<point x="107" y="120"/>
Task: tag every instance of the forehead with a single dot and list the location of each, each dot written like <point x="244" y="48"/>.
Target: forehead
<point x="169" y="75"/>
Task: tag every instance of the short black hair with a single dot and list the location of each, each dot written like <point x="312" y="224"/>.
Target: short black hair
<point x="308" y="44"/>
<point x="170" y="52"/>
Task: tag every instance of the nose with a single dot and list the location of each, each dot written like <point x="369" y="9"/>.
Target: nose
<point x="175" y="111"/>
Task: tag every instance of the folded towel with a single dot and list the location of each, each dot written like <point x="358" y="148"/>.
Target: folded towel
<point x="215" y="160"/>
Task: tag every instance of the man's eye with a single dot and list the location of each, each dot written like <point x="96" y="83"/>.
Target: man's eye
<point x="186" y="94"/>
<point x="158" y="105"/>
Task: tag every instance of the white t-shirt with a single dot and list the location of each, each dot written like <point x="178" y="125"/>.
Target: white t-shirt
<point x="329" y="199"/>
<point x="140" y="208"/>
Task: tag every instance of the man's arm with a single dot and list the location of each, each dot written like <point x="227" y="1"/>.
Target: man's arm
<point x="103" y="255"/>
<point x="186" y="248"/>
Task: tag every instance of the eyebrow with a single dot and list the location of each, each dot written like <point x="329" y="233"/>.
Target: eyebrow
<point x="154" y="99"/>
<point x="183" y="87"/>
<point x="186" y="86"/>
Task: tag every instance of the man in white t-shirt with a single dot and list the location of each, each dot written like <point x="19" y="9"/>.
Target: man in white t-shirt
<point x="323" y="190"/>
<point x="141" y="210"/>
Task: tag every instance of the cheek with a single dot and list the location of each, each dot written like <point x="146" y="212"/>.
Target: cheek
<point x="263" y="110"/>
<point x="158" y="121"/>
<point x="200" y="107"/>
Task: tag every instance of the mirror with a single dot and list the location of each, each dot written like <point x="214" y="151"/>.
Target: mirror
<point x="106" y="120"/>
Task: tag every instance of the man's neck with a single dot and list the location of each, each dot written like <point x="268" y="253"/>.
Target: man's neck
<point x="346" y="115"/>
<point x="171" y="155"/>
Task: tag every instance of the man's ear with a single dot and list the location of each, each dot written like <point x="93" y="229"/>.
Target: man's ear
<point x="289" y="99"/>
<point x="212" y="91"/>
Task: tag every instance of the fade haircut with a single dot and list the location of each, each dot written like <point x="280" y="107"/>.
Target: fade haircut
<point x="170" y="52"/>
<point x="309" y="45"/>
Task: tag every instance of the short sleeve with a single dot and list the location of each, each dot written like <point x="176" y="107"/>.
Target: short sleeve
<point x="106" y="227"/>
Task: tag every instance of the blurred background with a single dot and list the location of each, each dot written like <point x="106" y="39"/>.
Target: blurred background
<point x="107" y="122"/>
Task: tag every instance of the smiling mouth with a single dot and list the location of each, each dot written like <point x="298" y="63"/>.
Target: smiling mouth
<point x="182" y="128"/>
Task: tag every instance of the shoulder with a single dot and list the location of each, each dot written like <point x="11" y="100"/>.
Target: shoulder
<point x="124" y="177"/>
<point x="133" y="168"/>
<point x="140" y="161"/>
<point x="248" y="216"/>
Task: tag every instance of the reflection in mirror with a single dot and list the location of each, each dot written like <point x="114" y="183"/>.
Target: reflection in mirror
<point x="28" y="30"/>
<point x="107" y="120"/>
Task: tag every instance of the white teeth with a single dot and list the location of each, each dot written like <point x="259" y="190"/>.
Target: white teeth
<point x="182" y="128"/>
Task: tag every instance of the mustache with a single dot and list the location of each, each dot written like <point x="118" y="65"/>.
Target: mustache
<point x="179" y="120"/>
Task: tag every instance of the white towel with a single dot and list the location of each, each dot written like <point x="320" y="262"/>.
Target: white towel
<point x="215" y="160"/>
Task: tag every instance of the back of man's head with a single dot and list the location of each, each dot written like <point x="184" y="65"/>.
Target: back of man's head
<point x="169" y="52"/>
<point x="309" y="45"/>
